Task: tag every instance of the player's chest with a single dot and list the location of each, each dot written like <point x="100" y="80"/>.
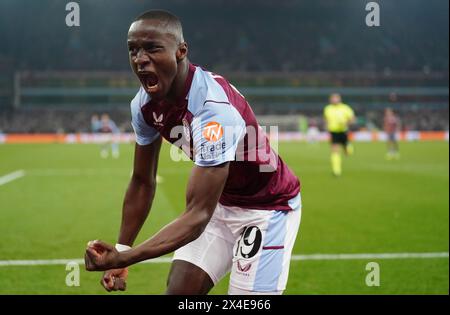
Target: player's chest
<point x="338" y="114"/>
<point x="172" y="123"/>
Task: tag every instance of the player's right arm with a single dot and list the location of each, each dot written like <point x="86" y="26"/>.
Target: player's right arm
<point x="136" y="206"/>
<point x="351" y="115"/>
<point x="326" y="117"/>
<point x="141" y="189"/>
<point x="140" y="192"/>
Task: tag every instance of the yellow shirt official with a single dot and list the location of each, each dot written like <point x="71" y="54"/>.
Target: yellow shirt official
<point x="338" y="117"/>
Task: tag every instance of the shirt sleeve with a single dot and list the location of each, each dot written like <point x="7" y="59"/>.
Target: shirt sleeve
<point x="216" y="132"/>
<point x="351" y="113"/>
<point x="95" y="126"/>
<point x="144" y="133"/>
<point x="114" y="127"/>
<point x="326" y="112"/>
<point x="326" y="115"/>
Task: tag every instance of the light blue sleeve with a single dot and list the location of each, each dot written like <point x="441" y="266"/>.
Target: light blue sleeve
<point x="95" y="126"/>
<point x="216" y="132"/>
<point x="144" y="133"/>
<point x="114" y="127"/>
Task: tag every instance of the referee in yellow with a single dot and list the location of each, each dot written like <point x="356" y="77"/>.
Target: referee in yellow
<point x="338" y="117"/>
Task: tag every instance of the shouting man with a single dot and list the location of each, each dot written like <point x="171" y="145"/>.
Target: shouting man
<point x="243" y="203"/>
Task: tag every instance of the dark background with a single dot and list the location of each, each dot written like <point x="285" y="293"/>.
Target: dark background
<point x="320" y="45"/>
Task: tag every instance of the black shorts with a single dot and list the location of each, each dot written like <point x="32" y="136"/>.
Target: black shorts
<point x="339" y="138"/>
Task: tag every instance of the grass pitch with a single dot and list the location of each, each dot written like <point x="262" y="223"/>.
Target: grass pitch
<point x="69" y="195"/>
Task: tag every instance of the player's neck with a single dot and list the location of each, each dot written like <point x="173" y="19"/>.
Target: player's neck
<point x="178" y="85"/>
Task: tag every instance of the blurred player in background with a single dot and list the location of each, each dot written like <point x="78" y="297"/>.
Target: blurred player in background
<point x="303" y="125"/>
<point x="391" y="127"/>
<point x="313" y="133"/>
<point x="338" y="117"/>
<point x="95" y="123"/>
<point x="109" y="129"/>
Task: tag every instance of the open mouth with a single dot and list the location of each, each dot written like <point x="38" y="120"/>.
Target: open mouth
<point x="149" y="80"/>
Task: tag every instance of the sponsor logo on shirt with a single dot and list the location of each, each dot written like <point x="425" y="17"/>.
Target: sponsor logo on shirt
<point x="243" y="268"/>
<point x="158" y="119"/>
<point x="213" y="131"/>
<point x="211" y="151"/>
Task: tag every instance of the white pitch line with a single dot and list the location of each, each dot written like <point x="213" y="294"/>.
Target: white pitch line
<point x="49" y="262"/>
<point x="369" y="256"/>
<point x="76" y="172"/>
<point x="11" y="176"/>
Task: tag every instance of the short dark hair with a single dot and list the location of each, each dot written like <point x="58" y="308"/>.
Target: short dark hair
<point x="161" y="15"/>
<point x="167" y="19"/>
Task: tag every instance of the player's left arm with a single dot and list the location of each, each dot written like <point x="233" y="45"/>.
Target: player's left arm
<point x="326" y="117"/>
<point x="351" y="116"/>
<point x="204" y="189"/>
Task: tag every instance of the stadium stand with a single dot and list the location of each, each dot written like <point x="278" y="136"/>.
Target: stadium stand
<point x="285" y="68"/>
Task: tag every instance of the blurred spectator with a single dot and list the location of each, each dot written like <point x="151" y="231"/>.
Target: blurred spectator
<point x="66" y="120"/>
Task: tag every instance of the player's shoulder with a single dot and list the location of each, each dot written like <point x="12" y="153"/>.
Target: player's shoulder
<point x="206" y="88"/>
<point x="140" y="99"/>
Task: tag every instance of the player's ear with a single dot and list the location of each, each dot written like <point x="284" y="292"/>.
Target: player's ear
<point x="182" y="51"/>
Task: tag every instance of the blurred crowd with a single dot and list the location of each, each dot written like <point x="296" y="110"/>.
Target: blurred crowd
<point x="234" y="35"/>
<point x="40" y="120"/>
<point x="251" y="38"/>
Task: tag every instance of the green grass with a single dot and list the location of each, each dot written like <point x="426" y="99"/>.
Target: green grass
<point x="70" y="195"/>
